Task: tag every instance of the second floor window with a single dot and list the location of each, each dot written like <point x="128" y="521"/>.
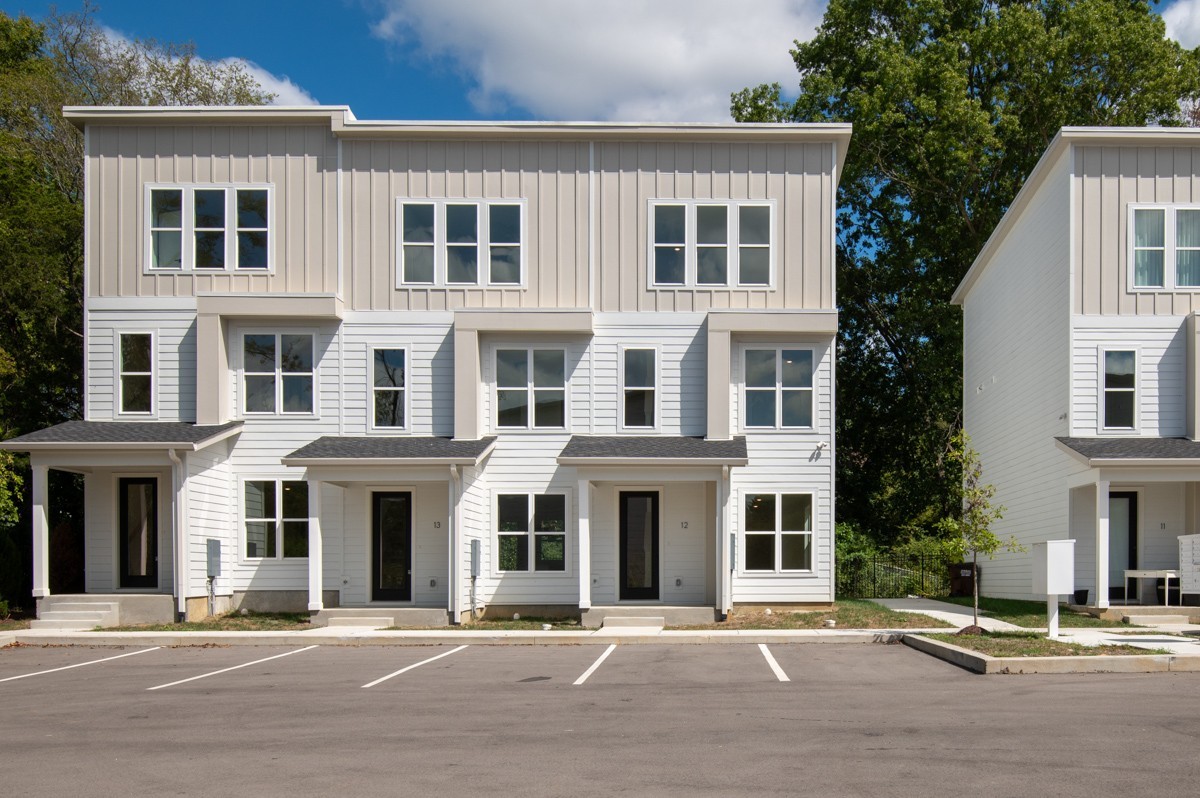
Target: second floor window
<point x="209" y="228"/>
<point x="531" y="389"/>
<point x="277" y="373"/>
<point x="137" y="373"/>
<point x="388" y="371"/>
<point x="1120" y="389"/>
<point x="640" y="377"/>
<point x="703" y="243"/>
<point x="460" y="242"/>
<point x="778" y="388"/>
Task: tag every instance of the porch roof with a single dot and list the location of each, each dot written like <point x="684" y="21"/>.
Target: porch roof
<point x="1132" y="451"/>
<point x="398" y="450"/>
<point x="652" y="450"/>
<point x="98" y="435"/>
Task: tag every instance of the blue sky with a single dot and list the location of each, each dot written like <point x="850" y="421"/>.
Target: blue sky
<point x="628" y="60"/>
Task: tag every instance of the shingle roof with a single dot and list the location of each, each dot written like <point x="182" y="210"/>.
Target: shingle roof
<point x="653" y="447"/>
<point x="139" y="434"/>
<point x="392" y="448"/>
<point x="1134" y="448"/>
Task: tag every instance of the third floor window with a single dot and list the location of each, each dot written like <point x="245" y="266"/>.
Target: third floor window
<point x="209" y="228"/>
<point x="460" y="243"/>
<point x="698" y="243"/>
<point x="1164" y="248"/>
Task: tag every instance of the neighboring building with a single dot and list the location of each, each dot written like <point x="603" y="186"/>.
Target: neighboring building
<point x="382" y="367"/>
<point x="1081" y="359"/>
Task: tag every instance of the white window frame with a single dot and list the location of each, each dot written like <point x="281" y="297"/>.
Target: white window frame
<point x="1102" y="391"/>
<point x="187" y="228"/>
<point x="483" y="276"/>
<point x="778" y="533"/>
<point x="779" y="388"/>
<point x="1170" y="248"/>
<point x="240" y="340"/>
<point x="622" y="387"/>
<point x="530" y="534"/>
<point x="733" y="245"/>
<point x="529" y="387"/>
<point x="279" y="518"/>
<point x="371" y="389"/>
<point x="120" y="410"/>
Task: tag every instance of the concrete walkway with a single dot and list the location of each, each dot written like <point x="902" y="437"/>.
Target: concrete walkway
<point x="945" y="611"/>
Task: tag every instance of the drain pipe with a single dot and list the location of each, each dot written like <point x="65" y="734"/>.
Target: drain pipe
<point x="178" y="517"/>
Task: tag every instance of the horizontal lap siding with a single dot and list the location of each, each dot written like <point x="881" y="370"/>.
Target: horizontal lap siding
<point x="101" y="544"/>
<point x="299" y="162"/>
<point x="578" y="375"/>
<point x="175" y="362"/>
<point x="1016" y="379"/>
<point x="211" y="514"/>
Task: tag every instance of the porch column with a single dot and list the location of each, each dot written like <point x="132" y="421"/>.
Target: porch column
<point x="585" y="544"/>
<point x="41" y="532"/>
<point x="455" y="565"/>
<point x="725" y="552"/>
<point x="1102" y="543"/>
<point x="316" y="559"/>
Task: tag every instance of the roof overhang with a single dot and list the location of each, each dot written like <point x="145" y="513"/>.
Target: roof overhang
<point x="652" y="452"/>
<point x="276" y="306"/>
<point x="1090" y="452"/>
<point x="220" y="433"/>
<point x="339" y="453"/>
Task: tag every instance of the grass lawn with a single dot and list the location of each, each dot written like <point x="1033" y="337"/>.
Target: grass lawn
<point x="849" y="614"/>
<point x="14" y="624"/>
<point x="233" y="622"/>
<point x="1032" y="614"/>
<point x="527" y="623"/>
<point x="1032" y="644"/>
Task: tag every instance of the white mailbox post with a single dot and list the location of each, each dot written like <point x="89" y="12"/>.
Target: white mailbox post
<point x="1053" y="576"/>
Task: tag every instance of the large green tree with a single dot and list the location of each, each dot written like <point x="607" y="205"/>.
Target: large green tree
<point x="952" y="103"/>
<point x="66" y="59"/>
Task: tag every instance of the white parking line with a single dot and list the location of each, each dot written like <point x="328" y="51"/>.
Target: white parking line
<point x="783" y="677"/>
<point x="414" y="665"/>
<point x="79" y="665"/>
<point x="596" y="664"/>
<point x="227" y="670"/>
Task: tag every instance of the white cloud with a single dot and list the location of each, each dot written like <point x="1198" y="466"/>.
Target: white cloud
<point x="1183" y="22"/>
<point x="630" y="60"/>
<point x="286" y="92"/>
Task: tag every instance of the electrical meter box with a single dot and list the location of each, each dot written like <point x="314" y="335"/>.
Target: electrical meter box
<point x="1054" y="568"/>
<point x="475" y="557"/>
<point x="214" y="558"/>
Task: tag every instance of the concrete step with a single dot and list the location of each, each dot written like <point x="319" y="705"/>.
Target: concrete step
<point x="74" y="615"/>
<point x="638" y="622"/>
<point x="418" y="617"/>
<point x="82" y="606"/>
<point x="63" y="624"/>
<point x="363" y="623"/>
<point x="1154" y="620"/>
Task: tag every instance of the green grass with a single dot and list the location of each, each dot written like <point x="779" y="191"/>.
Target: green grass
<point x="848" y="613"/>
<point x="528" y="623"/>
<point x="14" y="624"/>
<point x="1032" y="614"/>
<point x="233" y="622"/>
<point x="1032" y="644"/>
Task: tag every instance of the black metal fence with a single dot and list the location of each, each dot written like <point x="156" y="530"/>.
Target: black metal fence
<point x="893" y="576"/>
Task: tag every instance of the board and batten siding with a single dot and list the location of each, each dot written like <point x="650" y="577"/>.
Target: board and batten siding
<point x="174" y="364"/>
<point x="299" y="162"/>
<point x="1107" y="180"/>
<point x="1016" y="385"/>
<point x="1161" y="348"/>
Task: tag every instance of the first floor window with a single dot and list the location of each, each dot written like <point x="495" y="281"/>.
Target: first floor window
<point x="531" y="529"/>
<point x="137" y="372"/>
<point x="640" y="376"/>
<point x="778" y="388"/>
<point x="531" y="388"/>
<point x="1120" y="369"/>
<point x="389" y="386"/>
<point x="276" y="513"/>
<point x="277" y="372"/>
<point x="778" y="532"/>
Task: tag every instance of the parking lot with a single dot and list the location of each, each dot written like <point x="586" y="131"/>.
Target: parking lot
<point x="589" y="719"/>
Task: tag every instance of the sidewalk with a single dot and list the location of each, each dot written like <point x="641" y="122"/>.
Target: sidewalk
<point x="945" y="611"/>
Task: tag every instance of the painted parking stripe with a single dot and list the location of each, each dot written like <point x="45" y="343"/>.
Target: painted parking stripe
<point x="80" y="664"/>
<point x="234" y="668"/>
<point x="596" y="664"/>
<point x="414" y="665"/>
<point x="783" y="677"/>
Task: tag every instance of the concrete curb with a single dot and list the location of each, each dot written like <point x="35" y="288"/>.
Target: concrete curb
<point x="987" y="665"/>
<point x="7" y="639"/>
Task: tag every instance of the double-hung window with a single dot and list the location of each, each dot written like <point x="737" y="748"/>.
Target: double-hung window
<point x="1119" y="405"/>
<point x="388" y="369"/>
<point x="209" y="228"/>
<point x="639" y="388"/>
<point x="531" y="389"/>
<point x="276" y="518"/>
<point x="778" y="532"/>
<point x="531" y="528"/>
<point x="700" y="243"/>
<point x="778" y="388"/>
<point x="460" y="242"/>
<point x="1164" y="248"/>
<point x="277" y="373"/>
<point x="136" y="375"/>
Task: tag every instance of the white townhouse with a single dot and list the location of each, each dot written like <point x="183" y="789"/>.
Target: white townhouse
<point x="1081" y="360"/>
<point x="422" y="370"/>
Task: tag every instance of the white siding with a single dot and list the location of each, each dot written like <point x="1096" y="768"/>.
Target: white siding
<point x="174" y="362"/>
<point x="101" y="543"/>
<point x="211" y="514"/>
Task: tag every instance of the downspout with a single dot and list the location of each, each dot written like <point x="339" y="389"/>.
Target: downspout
<point x="178" y="518"/>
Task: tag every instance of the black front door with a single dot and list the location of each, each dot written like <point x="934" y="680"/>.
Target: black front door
<point x="639" y="545"/>
<point x="138" y="528"/>
<point x="391" y="547"/>
<point x="1122" y="544"/>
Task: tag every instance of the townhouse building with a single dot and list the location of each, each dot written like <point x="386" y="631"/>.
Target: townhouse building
<point x="427" y="371"/>
<point x="1081" y="361"/>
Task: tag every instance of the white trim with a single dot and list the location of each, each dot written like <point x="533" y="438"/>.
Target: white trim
<point x="493" y="385"/>
<point x="239" y="383"/>
<point x="661" y="490"/>
<point x="483" y="244"/>
<point x="531" y="535"/>
<point x="163" y="509"/>
<point x="187" y="228"/>
<point x="86" y="303"/>
<point x="1102" y="391"/>
<point x="622" y="350"/>
<point x="369" y="562"/>
<point x="740" y="378"/>
<point x="406" y="427"/>
<point x="279" y="518"/>
<point x="779" y="572"/>
<point x="119" y="410"/>
<point x="1169" y="248"/>
<point x="732" y="245"/>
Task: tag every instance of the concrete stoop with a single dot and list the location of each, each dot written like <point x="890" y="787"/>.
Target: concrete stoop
<point x="382" y="617"/>
<point x="596" y="617"/>
<point x="1154" y="620"/>
<point x="66" y="614"/>
<point x="644" y="623"/>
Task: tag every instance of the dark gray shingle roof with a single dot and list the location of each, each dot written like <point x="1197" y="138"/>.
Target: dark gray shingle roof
<point x="653" y="447"/>
<point x="98" y="434"/>
<point x="1134" y="448"/>
<point x="391" y="448"/>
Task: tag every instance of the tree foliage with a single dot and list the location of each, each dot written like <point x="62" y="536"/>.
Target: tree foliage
<point x="952" y="103"/>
